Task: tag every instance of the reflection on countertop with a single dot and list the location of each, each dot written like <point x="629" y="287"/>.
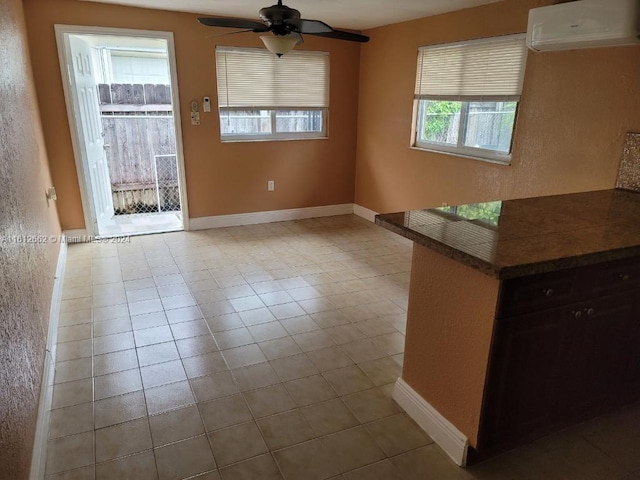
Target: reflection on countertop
<point x="514" y="238"/>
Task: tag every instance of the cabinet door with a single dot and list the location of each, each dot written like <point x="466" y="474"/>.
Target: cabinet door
<point x="523" y="383"/>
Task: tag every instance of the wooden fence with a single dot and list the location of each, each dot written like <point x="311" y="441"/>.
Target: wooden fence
<point x="138" y="125"/>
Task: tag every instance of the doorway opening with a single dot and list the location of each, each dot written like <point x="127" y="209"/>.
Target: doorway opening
<point x="122" y="93"/>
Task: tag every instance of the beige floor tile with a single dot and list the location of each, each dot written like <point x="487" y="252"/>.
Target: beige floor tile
<point x="348" y="380"/>
<point x="202" y="365"/>
<point x="130" y="285"/>
<point x="162" y="373"/>
<point x="269" y="286"/>
<point x="315" y="340"/>
<point x="149" y="320"/>
<point x="115" y="362"/>
<point x="310" y="390"/>
<point x="141" y="466"/>
<point x="301" y="324"/>
<point x="224" y="412"/>
<point x="75" y="318"/>
<point x="288" y="310"/>
<point x="256" y="376"/>
<point x="257" y="316"/>
<point x="72" y="393"/>
<point x="233" y="338"/>
<point x="384" y="470"/>
<point x="117" y="383"/>
<point x="275" y="298"/>
<point x="113" y="343"/>
<point x="382" y="371"/>
<point x="73" y="370"/>
<point x="268" y="401"/>
<point x="214" y="386"/>
<point x="364" y="350"/>
<point x="285" y="429"/>
<point x="398" y="434"/>
<point x="376" y="327"/>
<point x="427" y="462"/>
<point x="370" y="405"/>
<point x="178" y="301"/>
<point x="239" y="357"/>
<point x="353" y="448"/>
<point x="69" y="452"/>
<point x="122" y="439"/>
<point x="306" y="461"/>
<point x="329" y="358"/>
<point x="194" y="346"/>
<point x="175" y="425"/>
<point x="262" y="467"/>
<point x="221" y="323"/>
<point x="345" y="334"/>
<point x="291" y="368"/>
<point x="246" y="303"/>
<point x="82" y="473"/>
<point x="71" y="420"/>
<point x="193" y="328"/>
<point x="329" y="417"/>
<point x="332" y="318"/>
<point x="171" y="279"/>
<point x="113" y="326"/>
<point x="151" y="336"/>
<point x="173" y="290"/>
<point x="268" y="331"/>
<point x="237" y="443"/>
<point x="74" y="333"/>
<point x="279" y="348"/>
<point x="157" y="353"/>
<point x="107" y="299"/>
<point x="184" y="314"/>
<point x="184" y="459"/>
<point x="138" y="295"/>
<point x="120" y="409"/>
<point x="102" y="314"/>
<point x="168" y="397"/>
<point x="391" y="343"/>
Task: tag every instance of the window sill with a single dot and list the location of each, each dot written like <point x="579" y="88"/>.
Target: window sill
<point x="506" y="161"/>
<point x="270" y="139"/>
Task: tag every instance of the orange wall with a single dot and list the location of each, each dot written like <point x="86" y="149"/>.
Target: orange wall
<point x="575" y="109"/>
<point x="221" y="178"/>
<point x="27" y="269"/>
<point x="447" y="344"/>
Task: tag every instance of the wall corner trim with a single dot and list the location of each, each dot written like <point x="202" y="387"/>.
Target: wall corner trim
<point x="443" y="432"/>
<point x="219" y="221"/>
<point x="364" y="212"/>
<point x="39" y="456"/>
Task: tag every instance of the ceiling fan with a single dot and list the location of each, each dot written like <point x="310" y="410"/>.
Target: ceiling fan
<point x="286" y="26"/>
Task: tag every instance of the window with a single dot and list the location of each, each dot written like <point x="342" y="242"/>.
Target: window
<point x="466" y="97"/>
<point x="263" y="97"/>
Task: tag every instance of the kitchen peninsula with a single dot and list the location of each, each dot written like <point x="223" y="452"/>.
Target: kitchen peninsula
<point x="523" y="318"/>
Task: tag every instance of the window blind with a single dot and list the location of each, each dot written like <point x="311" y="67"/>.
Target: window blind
<point x="490" y="69"/>
<point x="257" y="79"/>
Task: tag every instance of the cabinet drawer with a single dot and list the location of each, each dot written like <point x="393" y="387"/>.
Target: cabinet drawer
<point x="537" y="292"/>
<point x="614" y="277"/>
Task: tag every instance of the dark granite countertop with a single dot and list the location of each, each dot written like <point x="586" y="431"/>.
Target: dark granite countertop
<point x="515" y="238"/>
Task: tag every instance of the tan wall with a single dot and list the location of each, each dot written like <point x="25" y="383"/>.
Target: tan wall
<point x="26" y="269"/>
<point x="448" y="339"/>
<point x="221" y="178"/>
<point x="575" y="108"/>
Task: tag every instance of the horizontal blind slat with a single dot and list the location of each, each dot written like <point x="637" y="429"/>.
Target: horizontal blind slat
<point x="489" y="67"/>
<point x="256" y="78"/>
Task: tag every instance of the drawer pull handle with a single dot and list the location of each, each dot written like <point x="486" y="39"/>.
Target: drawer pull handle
<point x="576" y="313"/>
<point x="548" y="292"/>
<point x="624" y="277"/>
<point x="590" y="312"/>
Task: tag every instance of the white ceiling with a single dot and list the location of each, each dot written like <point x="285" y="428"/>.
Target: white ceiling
<point x="352" y="14"/>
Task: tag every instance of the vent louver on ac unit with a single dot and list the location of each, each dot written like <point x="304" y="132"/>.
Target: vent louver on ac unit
<point x="584" y="24"/>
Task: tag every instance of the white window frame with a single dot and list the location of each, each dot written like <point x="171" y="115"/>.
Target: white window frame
<point x="462" y="150"/>
<point x="273" y="109"/>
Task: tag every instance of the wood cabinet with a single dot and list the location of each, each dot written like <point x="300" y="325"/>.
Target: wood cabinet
<point x="565" y="349"/>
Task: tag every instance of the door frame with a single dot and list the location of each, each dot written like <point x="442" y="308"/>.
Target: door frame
<point x="64" y="55"/>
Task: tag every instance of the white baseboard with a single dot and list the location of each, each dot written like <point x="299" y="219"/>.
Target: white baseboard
<point x="364" y="212"/>
<point x="203" y="223"/>
<point x="443" y="432"/>
<point x="39" y="455"/>
<point x="76" y="236"/>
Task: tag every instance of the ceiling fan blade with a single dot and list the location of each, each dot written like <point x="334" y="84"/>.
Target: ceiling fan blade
<point x="234" y="23"/>
<point x="229" y="33"/>
<point x="309" y="26"/>
<point x="340" y="35"/>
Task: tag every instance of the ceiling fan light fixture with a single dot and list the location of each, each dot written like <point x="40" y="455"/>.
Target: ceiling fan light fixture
<point x="279" y="44"/>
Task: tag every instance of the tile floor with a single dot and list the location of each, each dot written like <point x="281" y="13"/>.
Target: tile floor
<point x="141" y="223"/>
<point x="263" y="352"/>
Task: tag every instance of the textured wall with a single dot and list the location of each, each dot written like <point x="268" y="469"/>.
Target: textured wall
<point x="221" y="178"/>
<point x="576" y="108"/>
<point x="26" y="270"/>
<point x="448" y="336"/>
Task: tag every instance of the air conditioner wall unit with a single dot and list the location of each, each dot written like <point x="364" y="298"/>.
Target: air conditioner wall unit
<point x="584" y="24"/>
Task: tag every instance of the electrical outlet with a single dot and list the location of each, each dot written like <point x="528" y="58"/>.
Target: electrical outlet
<point x="271" y="185"/>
